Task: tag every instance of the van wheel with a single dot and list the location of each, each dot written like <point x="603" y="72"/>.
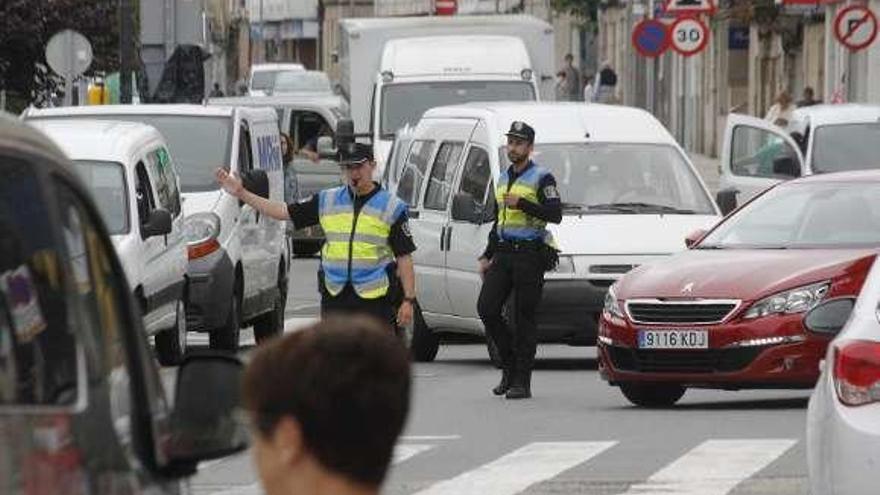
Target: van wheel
<point x="423" y="343"/>
<point x="171" y="343"/>
<point x="652" y="394"/>
<point x="225" y="338"/>
<point x="271" y="324"/>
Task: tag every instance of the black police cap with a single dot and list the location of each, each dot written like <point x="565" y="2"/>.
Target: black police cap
<point x="521" y="130"/>
<point x="356" y="154"/>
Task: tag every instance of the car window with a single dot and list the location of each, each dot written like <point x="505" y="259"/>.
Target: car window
<point x="108" y="185"/>
<point x="476" y="175"/>
<point x="442" y="173"/>
<point x="245" y="152"/>
<point x="416" y="163"/>
<point x="99" y="300"/>
<point x="753" y="152"/>
<point x="146" y="202"/>
<point x="163" y="173"/>
<point x="38" y="358"/>
<point x="305" y="129"/>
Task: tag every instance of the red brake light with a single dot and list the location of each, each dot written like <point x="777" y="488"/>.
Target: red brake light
<point x="857" y="372"/>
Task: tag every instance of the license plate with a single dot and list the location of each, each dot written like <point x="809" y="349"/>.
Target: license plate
<point x="673" y="339"/>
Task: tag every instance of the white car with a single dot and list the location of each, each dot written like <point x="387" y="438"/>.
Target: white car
<point x="238" y="259"/>
<point x="820" y="139"/>
<point x="843" y="417"/>
<point x="630" y="194"/>
<point x="262" y="77"/>
<point x="131" y="175"/>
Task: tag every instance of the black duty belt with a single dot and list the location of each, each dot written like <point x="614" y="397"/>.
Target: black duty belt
<point x="506" y="246"/>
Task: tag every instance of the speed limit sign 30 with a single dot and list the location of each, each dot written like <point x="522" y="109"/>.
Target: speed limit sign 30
<point x="689" y="36"/>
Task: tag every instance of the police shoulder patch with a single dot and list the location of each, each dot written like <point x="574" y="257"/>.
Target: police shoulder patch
<point x="306" y="199"/>
<point x="404" y="227"/>
<point x="550" y="192"/>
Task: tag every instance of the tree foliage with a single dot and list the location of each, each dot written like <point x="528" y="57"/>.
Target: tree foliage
<point x="585" y="10"/>
<point x="27" y="25"/>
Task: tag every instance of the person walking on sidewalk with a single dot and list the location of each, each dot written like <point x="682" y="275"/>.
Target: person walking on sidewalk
<point x="519" y="251"/>
<point x="368" y="241"/>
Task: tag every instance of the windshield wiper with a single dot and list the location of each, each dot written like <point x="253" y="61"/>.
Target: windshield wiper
<point x="612" y="207"/>
<point x="656" y="207"/>
<point x="574" y="207"/>
<point x="710" y="246"/>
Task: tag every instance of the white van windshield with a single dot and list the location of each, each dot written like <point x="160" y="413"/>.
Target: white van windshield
<point x="198" y="144"/>
<point x="106" y="182"/>
<point x="615" y="178"/>
<point x="837" y="148"/>
<point x="405" y="103"/>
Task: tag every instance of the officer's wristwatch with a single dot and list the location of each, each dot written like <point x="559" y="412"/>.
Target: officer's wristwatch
<point x="411" y="300"/>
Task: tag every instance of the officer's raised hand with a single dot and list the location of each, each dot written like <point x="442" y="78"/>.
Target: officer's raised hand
<point x="229" y="181"/>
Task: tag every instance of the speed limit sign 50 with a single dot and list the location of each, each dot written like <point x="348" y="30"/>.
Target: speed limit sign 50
<point x="689" y="36"/>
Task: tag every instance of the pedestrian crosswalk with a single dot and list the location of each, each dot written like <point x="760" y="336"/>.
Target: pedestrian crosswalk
<point x="711" y="467"/>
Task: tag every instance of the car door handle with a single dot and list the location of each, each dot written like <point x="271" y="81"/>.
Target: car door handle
<point x="442" y="238"/>
<point x="448" y="237"/>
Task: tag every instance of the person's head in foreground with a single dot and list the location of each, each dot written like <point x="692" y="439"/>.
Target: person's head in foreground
<point x="327" y="404"/>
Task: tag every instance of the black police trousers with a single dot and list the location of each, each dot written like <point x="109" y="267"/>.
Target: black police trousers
<point x="522" y="274"/>
<point x="348" y="302"/>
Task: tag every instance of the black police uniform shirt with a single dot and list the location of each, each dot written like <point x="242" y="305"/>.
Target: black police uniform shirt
<point x="548" y="208"/>
<point x="305" y="214"/>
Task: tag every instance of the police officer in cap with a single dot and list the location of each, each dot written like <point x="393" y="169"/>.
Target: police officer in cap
<point x="368" y="242"/>
<point x="519" y="251"/>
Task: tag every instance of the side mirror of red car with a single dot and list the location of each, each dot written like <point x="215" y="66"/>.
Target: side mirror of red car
<point x="693" y="237"/>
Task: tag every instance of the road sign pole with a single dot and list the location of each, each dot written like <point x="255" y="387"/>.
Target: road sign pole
<point x="125" y="35"/>
<point x="68" y="78"/>
<point x="651" y="69"/>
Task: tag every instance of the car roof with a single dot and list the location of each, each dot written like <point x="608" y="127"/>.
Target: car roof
<point x="15" y="134"/>
<point x="855" y="176"/>
<point x="819" y="115"/>
<point x="561" y="122"/>
<point x="149" y="109"/>
<point x="312" y="100"/>
<point x="268" y="67"/>
<point x="97" y="139"/>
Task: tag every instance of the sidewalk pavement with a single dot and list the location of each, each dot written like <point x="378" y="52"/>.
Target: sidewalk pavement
<point x="708" y="169"/>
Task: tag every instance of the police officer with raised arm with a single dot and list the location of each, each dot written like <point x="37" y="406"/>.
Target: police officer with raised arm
<point x="519" y="251"/>
<point x="368" y="242"/>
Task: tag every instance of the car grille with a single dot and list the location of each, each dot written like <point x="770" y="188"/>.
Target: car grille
<point x="697" y="312"/>
<point x="682" y="361"/>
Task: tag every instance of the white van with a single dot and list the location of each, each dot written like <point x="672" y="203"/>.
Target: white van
<point x="820" y="139"/>
<point x="630" y="194"/>
<point x="238" y="259"/>
<point x="262" y="77"/>
<point x="132" y="178"/>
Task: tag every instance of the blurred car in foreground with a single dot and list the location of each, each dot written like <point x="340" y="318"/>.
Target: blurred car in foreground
<point x="728" y="313"/>
<point x="843" y="418"/>
<point x="82" y="406"/>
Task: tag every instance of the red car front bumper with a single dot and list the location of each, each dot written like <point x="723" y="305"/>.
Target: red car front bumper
<point x="726" y="364"/>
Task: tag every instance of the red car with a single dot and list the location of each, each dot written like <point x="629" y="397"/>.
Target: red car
<point x="727" y="313"/>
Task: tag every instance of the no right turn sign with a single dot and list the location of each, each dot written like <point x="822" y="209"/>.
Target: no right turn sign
<point x="855" y="27"/>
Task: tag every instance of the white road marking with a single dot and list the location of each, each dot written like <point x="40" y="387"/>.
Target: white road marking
<point x="520" y="469"/>
<point x="714" y="467"/>
<point x="403" y="452"/>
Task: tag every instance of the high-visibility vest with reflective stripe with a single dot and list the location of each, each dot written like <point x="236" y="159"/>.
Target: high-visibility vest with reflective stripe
<point x="356" y="248"/>
<point x="515" y="224"/>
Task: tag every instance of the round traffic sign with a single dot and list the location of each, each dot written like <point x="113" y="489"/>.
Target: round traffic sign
<point x="69" y="53"/>
<point x="650" y="38"/>
<point x="855" y="27"/>
<point x="688" y="36"/>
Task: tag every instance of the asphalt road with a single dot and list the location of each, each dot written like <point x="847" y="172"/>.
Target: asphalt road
<point x="577" y="436"/>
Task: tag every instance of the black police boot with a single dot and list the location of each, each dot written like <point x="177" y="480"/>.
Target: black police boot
<point x="504" y="385"/>
<point x="520" y="386"/>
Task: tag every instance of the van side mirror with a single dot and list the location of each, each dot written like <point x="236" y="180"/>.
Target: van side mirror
<point x="786" y="166"/>
<point x="325" y="148"/>
<point x="693" y="237"/>
<point x="207" y="421"/>
<point x="159" y="223"/>
<point x="829" y="317"/>
<point x="726" y="200"/>
<point x="465" y="209"/>
<point x="257" y="182"/>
